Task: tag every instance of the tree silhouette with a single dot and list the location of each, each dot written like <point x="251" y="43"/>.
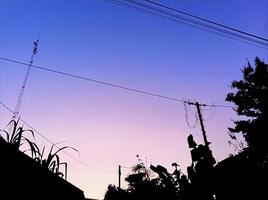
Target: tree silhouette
<point x="153" y="183"/>
<point x="251" y="99"/>
<point x="241" y="176"/>
<point x="148" y="183"/>
<point x="246" y="174"/>
<point x="114" y="193"/>
<point x="142" y="184"/>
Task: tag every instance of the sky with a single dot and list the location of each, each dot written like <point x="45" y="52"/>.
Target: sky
<point x="115" y="44"/>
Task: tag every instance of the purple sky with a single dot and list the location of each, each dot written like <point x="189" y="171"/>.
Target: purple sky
<point x="103" y="41"/>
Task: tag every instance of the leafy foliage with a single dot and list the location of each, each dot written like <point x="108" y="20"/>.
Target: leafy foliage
<point x="157" y="183"/>
<point x="152" y="183"/>
<point x="251" y="99"/>
<point x="115" y="193"/>
<point x="236" y="177"/>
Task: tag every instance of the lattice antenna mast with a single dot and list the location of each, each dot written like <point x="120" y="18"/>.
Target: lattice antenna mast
<point x="19" y="100"/>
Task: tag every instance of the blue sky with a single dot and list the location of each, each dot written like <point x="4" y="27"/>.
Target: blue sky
<point x="103" y="41"/>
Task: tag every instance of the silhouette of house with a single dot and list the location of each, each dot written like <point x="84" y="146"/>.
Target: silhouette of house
<point x="238" y="177"/>
<point x="23" y="178"/>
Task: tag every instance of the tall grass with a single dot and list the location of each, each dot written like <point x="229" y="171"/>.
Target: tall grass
<point x="15" y="137"/>
<point x="52" y="160"/>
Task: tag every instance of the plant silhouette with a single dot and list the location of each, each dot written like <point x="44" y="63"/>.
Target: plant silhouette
<point x="15" y="136"/>
<point x="35" y="177"/>
<point x="251" y="99"/>
<point x="241" y="176"/>
<point x="154" y="183"/>
<point x="246" y="174"/>
<point x="52" y="161"/>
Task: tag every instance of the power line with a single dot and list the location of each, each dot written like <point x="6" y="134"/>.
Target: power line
<point x="187" y="117"/>
<point x="209" y="21"/>
<point x="114" y="85"/>
<point x="125" y="167"/>
<point x="54" y="144"/>
<point x="178" y="19"/>
<point x="157" y="12"/>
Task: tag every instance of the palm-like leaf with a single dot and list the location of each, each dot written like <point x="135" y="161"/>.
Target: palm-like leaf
<point x="52" y="162"/>
<point x="15" y="135"/>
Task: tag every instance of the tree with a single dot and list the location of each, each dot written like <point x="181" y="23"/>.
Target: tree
<point x="251" y="99"/>
<point x="115" y="193"/>
<point x="152" y="183"/>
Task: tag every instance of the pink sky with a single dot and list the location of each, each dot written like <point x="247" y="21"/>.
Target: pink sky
<point x="102" y="41"/>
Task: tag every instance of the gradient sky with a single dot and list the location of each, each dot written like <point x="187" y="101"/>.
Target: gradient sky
<point x="103" y="41"/>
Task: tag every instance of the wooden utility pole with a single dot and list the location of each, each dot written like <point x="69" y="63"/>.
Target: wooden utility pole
<point x="119" y="177"/>
<point x="202" y="124"/>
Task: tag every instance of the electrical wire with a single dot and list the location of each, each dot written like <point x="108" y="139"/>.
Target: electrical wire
<point x="114" y="85"/>
<point x="208" y="21"/>
<point x="125" y="167"/>
<point x="178" y="19"/>
<point x="186" y="116"/>
<point x="196" y="24"/>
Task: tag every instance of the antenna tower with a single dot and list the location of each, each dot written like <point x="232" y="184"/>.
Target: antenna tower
<point x="19" y="100"/>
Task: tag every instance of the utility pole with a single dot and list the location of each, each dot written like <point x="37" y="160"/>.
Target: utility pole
<point x="119" y="177"/>
<point x="19" y="100"/>
<point x="202" y="125"/>
<point x="209" y="155"/>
